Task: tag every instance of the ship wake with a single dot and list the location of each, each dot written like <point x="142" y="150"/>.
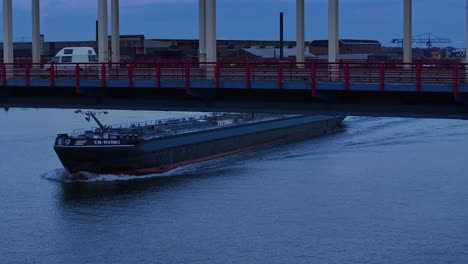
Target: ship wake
<point x="63" y="176"/>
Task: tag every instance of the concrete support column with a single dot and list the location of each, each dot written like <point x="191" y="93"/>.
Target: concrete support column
<point x="36" y="32"/>
<point x="103" y="36"/>
<point x="115" y="20"/>
<point x="8" y="31"/>
<point x="466" y="45"/>
<point x="408" y="32"/>
<point x="333" y="41"/>
<point x="202" y="31"/>
<point x="211" y="51"/>
<point x="300" y="25"/>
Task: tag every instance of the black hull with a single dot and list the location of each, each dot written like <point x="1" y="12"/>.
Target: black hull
<point x="161" y="155"/>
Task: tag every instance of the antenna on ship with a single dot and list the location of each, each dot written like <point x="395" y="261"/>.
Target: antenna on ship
<point x="92" y="114"/>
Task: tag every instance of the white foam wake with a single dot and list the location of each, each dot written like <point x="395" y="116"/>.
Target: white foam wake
<point x="62" y="175"/>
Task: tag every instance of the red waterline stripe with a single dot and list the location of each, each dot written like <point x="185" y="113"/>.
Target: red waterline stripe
<point x="166" y="168"/>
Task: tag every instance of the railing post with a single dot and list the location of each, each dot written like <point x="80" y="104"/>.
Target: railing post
<point x="247" y="76"/>
<point x="149" y="71"/>
<point x="86" y="71"/>
<point x="291" y="65"/>
<point x="455" y="82"/>
<point x="382" y="76"/>
<point x="418" y="77"/>
<point x="313" y="77"/>
<point x="28" y="75"/>
<point x="52" y="75"/>
<point x="158" y="74"/>
<point x="103" y="75"/>
<point x="252" y="72"/>
<point x="4" y="78"/>
<point x="77" y="78"/>
<point x="217" y="75"/>
<point x="130" y="75"/>
<point x="347" y="77"/>
<point x="334" y="71"/>
<point x="280" y="75"/>
<point x="187" y="79"/>
<point x="117" y="71"/>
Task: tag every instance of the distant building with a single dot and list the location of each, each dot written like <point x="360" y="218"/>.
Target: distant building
<point x="131" y="46"/>
<point x="347" y="46"/>
<point x="457" y="53"/>
<point x="137" y="47"/>
<point x="274" y="53"/>
<point x="189" y="48"/>
<point x="345" y="57"/>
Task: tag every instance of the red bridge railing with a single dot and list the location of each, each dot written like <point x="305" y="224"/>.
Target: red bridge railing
<point x="348" y="73"/>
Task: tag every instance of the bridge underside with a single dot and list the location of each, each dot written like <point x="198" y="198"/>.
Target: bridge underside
<point x="423" y="104"/>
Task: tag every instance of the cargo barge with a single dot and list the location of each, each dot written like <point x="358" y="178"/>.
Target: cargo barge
<point x="159" y="146"/>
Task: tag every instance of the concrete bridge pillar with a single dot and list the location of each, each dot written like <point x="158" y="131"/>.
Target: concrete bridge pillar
<point x="202" y="32"/>
<point x="103" y="36"/>
<point x="333" y="39"/>
<point x="466" y="45"/>
<point x="211" y="51"/>
<point x="115" y="20"/>
<point x="36" y="32"/>
<point x="333" y="30"/>
<point x="300" y="25"/>
<point x="408" y="32"/>
<point x="8" y="31"/>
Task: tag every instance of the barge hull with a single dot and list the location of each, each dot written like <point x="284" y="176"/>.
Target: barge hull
<point x="158" y="156"/>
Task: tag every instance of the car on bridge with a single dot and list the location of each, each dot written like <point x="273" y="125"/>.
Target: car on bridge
<point x="69" y="57"/>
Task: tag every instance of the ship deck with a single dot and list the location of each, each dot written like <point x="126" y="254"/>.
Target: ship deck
<point x="175" y="126"/>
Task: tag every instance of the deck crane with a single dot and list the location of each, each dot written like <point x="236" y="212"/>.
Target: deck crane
<point x="426" y="38"/>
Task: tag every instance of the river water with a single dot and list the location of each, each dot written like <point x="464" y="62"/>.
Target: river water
<point x="379" y="190"/>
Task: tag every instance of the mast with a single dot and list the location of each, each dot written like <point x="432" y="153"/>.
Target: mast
<point x="91" y="114"/>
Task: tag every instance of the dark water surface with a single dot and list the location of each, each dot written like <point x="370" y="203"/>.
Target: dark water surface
<point x="377" y="191"/>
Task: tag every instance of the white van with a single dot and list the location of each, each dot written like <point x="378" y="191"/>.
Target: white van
<point x="73" y="55"/>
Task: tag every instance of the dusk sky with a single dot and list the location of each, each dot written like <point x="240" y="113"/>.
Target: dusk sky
<point x="245" y="19"/>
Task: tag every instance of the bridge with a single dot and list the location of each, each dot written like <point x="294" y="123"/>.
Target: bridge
<point x="208" y="84"/>
<point x="346" y="88"/>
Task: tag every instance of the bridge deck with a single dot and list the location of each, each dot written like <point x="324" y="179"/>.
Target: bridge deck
<point x="388" y="87"/>
<point x="226" y="75"/>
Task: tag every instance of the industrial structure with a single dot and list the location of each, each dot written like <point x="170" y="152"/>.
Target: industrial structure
<point x="428" y="39"/>
<point x="347" y="46"/>
<point x="138" y="48"/>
